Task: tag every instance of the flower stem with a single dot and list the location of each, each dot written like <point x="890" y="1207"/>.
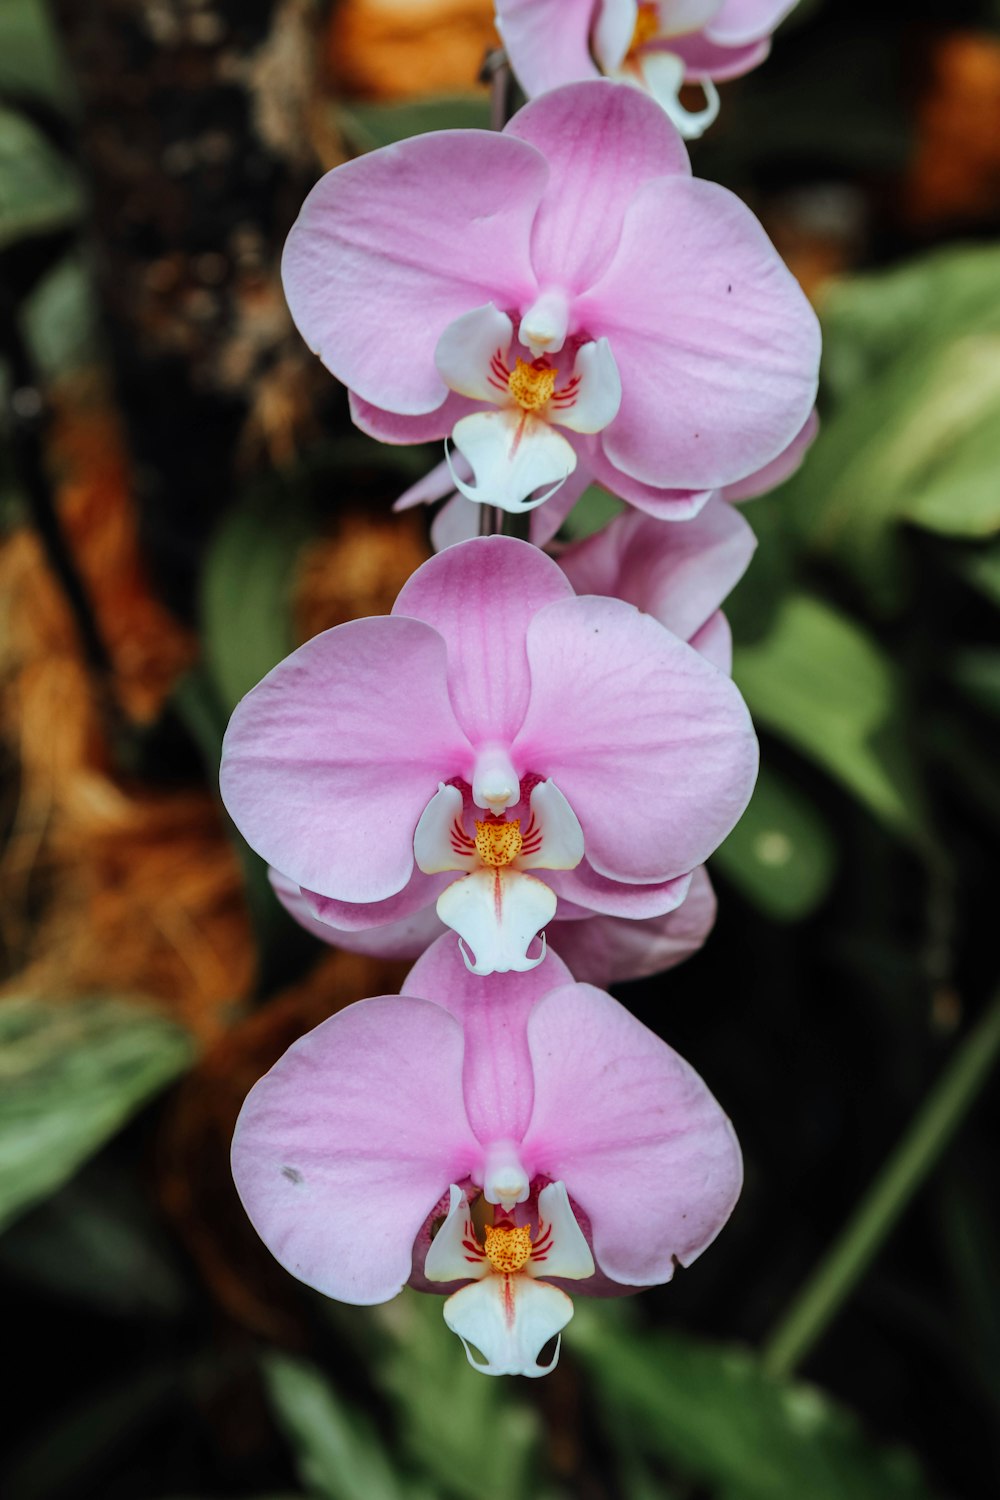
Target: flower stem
<point x="848" y="1258"/>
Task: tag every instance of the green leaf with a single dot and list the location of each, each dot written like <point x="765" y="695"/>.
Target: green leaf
<point x="368" y="126"/>
<point x="822" y="683"/>
<point x="781" y="854"/>
<point x="710" y="1411"/>
<point x="39" y="188"/>
<point x="594" y="509"/>
<point x="911" y="425"/>
<point x="338" y="1453"/>
<point x="246" y="592"/>
<point x="31" y="59"/>
<point x="59" y="319"/>
<point x="455" y="1424"/>
<point x="71" y="1075"/>
<point x="977" y="673"/>
<point x="981" y="568"/>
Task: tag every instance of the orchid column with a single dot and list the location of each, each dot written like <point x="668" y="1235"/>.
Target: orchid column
<point x="520" y="772"/>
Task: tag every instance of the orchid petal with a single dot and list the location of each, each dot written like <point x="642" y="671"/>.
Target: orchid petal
<point x="547" y="41"/>
<point x="594" y="402"/>
<point x="714" y="641"/>
<point x="513" y="456"/>
<point x="741" y="21"/>
<point x="437" y="843"/>
<point x="498" y="913"/>
<point x="612" y="33"/>
<point x="679" y="574"/>
<point x="717" y="345"/>
<point x="679" y="16"/>
<point x="602" y="143"/>
<point x="609" y="950"/>
<point x="373" y="302"/>
<point x="704" y="58"/>
<point x="585" y="889"/>
<point x="450" y="1257"/>
<point x="338" y="750"/>
<point x="651" y="1158"/>
<point x="401" y="927"/>
<point x="466" y="350"/>
<point x="509" y="1319"/>
<point x="641" y="710"/>
<point x="346" y="1145"/>
<point x="481" y="597"/>
<point x="389" y="427"/>
<point x="779" y="469"/>
<point x="568" y="1254"/>
<point x="559" y="838"/>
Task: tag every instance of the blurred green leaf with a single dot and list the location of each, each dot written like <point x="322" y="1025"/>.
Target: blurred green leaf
<point x="981" y="568"/>
<point x="709" y="1410"/>
<point x="71" y="1075"/>
<point x="822" y="683"/>
<point x="246" y="592"/>
<point x="39" y="188"/>
<point x="977" y="673"/>
<point x="780" y="854"/>
<point x="911" y="424"/>
<point x="594" y="509"/>
<point x="338" y="1453"/>
<point x="368" y="126"/>
<point x="455" y="1424"/>
<point x="30" y="57"/>
<point x="59" y="319"/>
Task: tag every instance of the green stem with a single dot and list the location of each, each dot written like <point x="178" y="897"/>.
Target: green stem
<point x="931" y="1129"/>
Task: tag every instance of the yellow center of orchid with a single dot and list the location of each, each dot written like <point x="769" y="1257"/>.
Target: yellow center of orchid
<point x="647" y="26"/>
<point x="498" y="842"/>
<point x="531" y="385"/>
<point x="508" y="1250"/>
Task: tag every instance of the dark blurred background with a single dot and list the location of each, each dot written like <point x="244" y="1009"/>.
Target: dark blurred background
<point x="183" y="498"/>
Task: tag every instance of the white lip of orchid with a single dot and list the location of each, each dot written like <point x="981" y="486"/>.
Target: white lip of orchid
<point x="496" y="907"/>
<point x="518" y="459"/>
<point x="631" y="44"/>
<point x="507" y="1312"/>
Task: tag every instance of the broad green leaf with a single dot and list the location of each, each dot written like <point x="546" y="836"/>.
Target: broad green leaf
<point x="59" y="319"/>
<point x="368" y="126"/>
<point x="71" y="1075"/>
<point x="246" y="593"/>
<point x="454" y="1424"/>
<point x="911" y="422"/>
<point x="39" y="188"/>
<point x="709" y="1410"/>
<point x="781" y="854"/>
<point x="31" y="60"/>
<point x="822" y="683"/>
<point x="338" y="1453"/>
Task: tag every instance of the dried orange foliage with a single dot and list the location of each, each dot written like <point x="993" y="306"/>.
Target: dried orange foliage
<point x="358" y="570"/>
<point x="955" y="176"/>
<point x="106" y="884"/>
<point x="195" y="1184"/>
<point x="404" y="49"/>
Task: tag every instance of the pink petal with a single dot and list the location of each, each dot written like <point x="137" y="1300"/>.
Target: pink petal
<point x="481" y="596"/>
<point x="779" y="469"/>
<point x="587" y="891"/>
<point x="651" y="746"/>
<point x="346" y="1145"/>
<point x="609" y="950"/>
<point x="602" y="143"/>
<point x="714" y="641"/>
<point x="717" y="347"/>
<point x="404" y="926"/>
<point x="388" y="427"/>
<point x="328" y="762"/>
<point x="547" y="41"/>
<point x="704" y="58"/>
<point x="678" y="573"/>
<point x="493" y="1011"/>
<point x="741" y="21"/>
<point x="666" y="504"/>
<point x="633" y="1132"/>
<point x="391" y="248"/>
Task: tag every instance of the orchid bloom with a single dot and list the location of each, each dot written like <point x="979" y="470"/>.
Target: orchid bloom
<point x="656" y="45"/>
<point x="448" y="736"/>
<point x="556" y="295"/>
<point x="472" y="1136"/>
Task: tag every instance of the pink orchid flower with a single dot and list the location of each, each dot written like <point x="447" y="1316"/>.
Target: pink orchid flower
<point x="655" y="45"/>
<point x="561" y="293"/>
<point x="494" y="729"/>
<point x="472" y="1137"/>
